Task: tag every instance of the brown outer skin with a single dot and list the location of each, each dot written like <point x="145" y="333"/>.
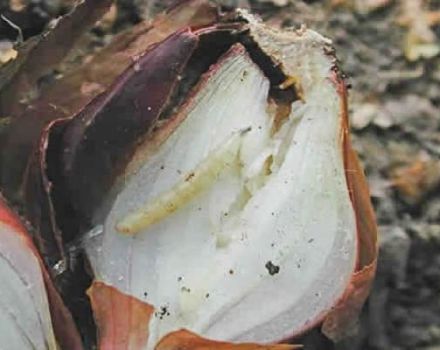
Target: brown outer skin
<point x="64" y="328"/>
<point x="123" y="320"/>
<point x="339" y="322"/>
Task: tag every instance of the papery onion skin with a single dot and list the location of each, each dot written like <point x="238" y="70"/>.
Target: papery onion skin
<point x="64" y="327"/>
<point x="121" y="319"/>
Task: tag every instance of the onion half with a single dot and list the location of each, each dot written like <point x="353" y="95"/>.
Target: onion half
<point x="243" y="215"/>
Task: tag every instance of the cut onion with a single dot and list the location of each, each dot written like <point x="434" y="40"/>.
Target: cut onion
<point x="235" y="219"/>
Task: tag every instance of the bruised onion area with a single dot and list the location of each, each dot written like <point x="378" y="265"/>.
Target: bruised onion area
<point x="233" y="219"/>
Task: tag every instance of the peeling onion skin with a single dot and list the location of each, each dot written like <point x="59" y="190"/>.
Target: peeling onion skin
<point x="62" y="331"/>
<point x="340" y="322"/>
<point x="350" y="301"/>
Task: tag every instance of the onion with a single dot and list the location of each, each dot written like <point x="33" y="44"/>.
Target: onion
<point x="28" y="301"/>
<point x="220" y="203"/>
<point x="243" y="216"/>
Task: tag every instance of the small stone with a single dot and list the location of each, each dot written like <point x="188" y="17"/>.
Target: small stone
<point x="271" y="268"/>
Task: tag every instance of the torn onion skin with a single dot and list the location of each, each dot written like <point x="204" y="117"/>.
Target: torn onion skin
<point x="61" y="330"/>
<point x="231" y="225"/>
<point x="121" y="319"/>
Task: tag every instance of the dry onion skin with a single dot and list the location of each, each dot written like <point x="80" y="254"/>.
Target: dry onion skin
<point x="32" y="315"/>
<point x="243" y="216"/>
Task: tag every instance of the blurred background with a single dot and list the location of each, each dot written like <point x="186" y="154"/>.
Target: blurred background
<point x="390" y="52"/>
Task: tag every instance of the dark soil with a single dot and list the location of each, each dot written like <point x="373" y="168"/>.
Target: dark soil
<point x="395" y="115"/>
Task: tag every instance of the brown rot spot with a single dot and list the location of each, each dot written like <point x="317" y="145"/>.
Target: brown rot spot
<point x="271" y="268"/>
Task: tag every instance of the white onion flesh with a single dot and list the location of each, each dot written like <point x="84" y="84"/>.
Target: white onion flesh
<point x="262" y="249"/>
<point x="25" y="321"/>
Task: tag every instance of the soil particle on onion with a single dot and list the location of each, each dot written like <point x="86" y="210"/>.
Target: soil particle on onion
<point x="272" y="268"/>
<point x="163" y="311"/>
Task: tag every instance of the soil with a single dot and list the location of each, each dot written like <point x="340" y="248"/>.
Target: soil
<point x="395" y="118"/>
